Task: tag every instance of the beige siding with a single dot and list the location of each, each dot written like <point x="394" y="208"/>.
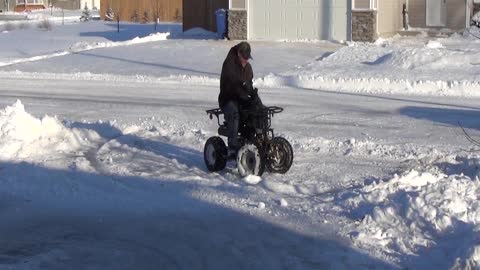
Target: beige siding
<point x="3" y="7"/>
<point x="456" y="12"/>
<point x="238" y="4"/>
<point x="66" y="4"/>
<point x="390" y="18"/>
<point x="362" y="4"/>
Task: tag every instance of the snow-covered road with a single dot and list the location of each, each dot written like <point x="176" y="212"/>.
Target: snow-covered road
<point x="136" y="186"/>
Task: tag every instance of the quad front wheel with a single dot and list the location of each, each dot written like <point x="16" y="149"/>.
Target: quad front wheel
<point x="250" y="160"/>
<point x="279" y="155"/>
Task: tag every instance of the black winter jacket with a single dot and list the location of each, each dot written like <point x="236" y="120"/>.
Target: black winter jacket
<point x="232" y="79"/>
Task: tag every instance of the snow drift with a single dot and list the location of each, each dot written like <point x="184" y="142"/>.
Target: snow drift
<point x="417" y="212"/>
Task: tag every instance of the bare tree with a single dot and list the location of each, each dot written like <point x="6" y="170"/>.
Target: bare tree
<point x="157" y="9"/>
<point x="116" y="10"/>
<point x="135" y="16"/>
<point x="109" y="15"/>
<point x="146" y="17"/>
<point x="177" y="17"/>
<point x="117" y="15"/>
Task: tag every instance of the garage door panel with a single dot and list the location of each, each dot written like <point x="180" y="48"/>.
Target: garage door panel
<point x="297" y="19"/>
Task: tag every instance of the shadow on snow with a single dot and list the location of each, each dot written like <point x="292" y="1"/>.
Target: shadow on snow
<point x="129" y="31"/>
<point x="63" y="219"/>
<point x="468" y="118"/>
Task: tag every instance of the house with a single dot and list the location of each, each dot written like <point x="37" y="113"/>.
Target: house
<point x="66" y="4"/>
<point x="291" y="20"/>
<point x="376" y="18"/>
<point x="75" y="4"/>
<point x="362" y="20"/>
<point x="451" y="14"/>
<point x="91" y="4"/>
<point x="267" y="19"/>
<point x="28" y="5"/>
<point x="135" y="10"/>
<point x="7" y="5"/>
<point x="388" y="17"/>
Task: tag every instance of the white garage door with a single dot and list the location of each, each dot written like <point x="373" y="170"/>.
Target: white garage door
<point x="298" y="19"/>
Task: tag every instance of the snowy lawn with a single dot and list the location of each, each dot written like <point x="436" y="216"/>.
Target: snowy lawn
<point x="101" y="162"/>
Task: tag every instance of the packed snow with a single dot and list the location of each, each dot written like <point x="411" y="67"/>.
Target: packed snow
<point x="102" y="134"/>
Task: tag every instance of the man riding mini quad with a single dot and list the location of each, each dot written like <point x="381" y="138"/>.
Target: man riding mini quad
<point x="251" y="141"/>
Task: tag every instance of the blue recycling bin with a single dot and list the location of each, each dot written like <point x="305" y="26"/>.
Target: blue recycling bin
<point x="221" y="16"/>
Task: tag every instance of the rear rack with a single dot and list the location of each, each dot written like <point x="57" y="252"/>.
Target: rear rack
<point x="270" y="111"/>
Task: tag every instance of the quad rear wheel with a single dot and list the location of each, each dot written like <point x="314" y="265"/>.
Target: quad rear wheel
<point x="215" y="154"/>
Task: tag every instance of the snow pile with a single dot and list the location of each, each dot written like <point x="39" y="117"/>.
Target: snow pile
<point x="87" y="76"/>
<point x="85" y="46"/>
<point x="476" y="17"/>
<point x="197" y="33"/>
<point x="32" y="59"/>
<point x="252" y="179"/>
<point x="57" y="16"/>
<point x="415" y="212"/>
<point x="425" y="68"/>
<point x="472" y="34"/>
<point x="12" y="17"/>
<point x="432" y="55"/>
<point x="26" y="138"/>
<point x="385" y="54"/>
<point x="432" y="44"/>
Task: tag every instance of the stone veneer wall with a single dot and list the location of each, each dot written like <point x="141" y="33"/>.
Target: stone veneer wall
<point x="237" y="24"/>
<point x="364" y="25"/>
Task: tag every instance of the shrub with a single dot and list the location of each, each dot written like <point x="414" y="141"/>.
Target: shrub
<point x="45" y="24"/>
<point x="23" y="25"/>
<point x="9" y="27"/>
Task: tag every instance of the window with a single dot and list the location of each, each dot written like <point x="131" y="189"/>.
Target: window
<point x="22" y="2"/>
<point x="365" y="4"/>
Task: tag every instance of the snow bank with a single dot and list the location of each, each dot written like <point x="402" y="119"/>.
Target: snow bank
<point x="87" y="76"/>
<point x="476" y="17"/>
<point x="56" y="16"/>
<point x="197" y="33"/>
<point x="445" y="67"/>
<point x="86" y="46"/>
<point x="414" y="212"/>
<point x="24" y="137"/>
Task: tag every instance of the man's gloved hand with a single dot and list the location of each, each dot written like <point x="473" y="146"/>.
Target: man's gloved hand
<point x="248" y="86"/>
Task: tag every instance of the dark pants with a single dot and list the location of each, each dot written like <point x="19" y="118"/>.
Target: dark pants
<point x="232" y="117"/>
